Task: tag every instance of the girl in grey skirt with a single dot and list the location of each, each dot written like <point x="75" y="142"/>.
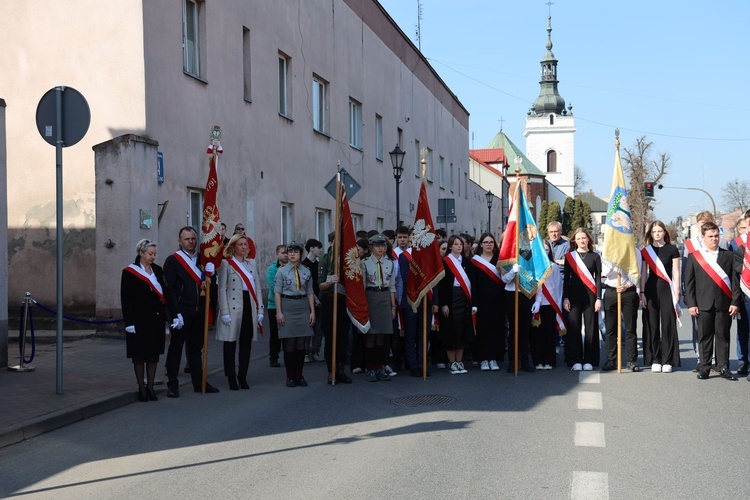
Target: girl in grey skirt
<point x="295" y="313"/>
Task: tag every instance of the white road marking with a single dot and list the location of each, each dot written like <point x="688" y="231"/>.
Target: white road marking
<point x="589" y="486"/>
<point x="589" y="400"/>
<point x="589" y="434"/>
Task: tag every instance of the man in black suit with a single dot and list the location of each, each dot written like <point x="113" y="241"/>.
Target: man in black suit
<point x="186" y="303"/>
<point x="712" y="294"/>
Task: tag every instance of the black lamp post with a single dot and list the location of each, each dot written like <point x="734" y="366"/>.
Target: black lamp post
<point x="490" y="197"/>
<point x="506" y="194"/>
<point x="397" y="160"/>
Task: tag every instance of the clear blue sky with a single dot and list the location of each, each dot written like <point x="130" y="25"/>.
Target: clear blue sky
<point x="676" y="72"/>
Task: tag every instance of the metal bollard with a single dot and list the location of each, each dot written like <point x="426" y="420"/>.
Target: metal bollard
<point x="22" y="367"/>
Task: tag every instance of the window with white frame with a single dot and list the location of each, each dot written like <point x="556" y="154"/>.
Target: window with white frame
<point x="466" y="185"/>
<point x="246" y="63"/>
<point x="191" y="17"/>
<point x="320" y="105"/>
<point x="380" y="225"/>
<point x="287" y="223"/>
<point x="379" y="137"/>
<point x="322" y="224"/>
<point x="284" y="82"/>
<point x="195" y="209"/>
<point x="459" y="181"/>
<point x="442" y="173"/>
<point x="452" y="177"/>
<point x="417" y="159"/>
<point x="357" y="222"/>
<point x="428" y="166"/>
<point x="355" y="124"/>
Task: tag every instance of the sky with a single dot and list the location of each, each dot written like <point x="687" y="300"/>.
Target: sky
<point x="674" y="72"/>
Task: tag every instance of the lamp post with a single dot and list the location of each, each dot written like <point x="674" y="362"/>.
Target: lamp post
<point x="505" y="195"/>
<point x="397" y="161"/>
<point x="490" y="198"/>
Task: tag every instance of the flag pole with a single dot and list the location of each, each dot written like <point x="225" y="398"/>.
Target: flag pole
<point x="619" y="324"/>
<point x="518" y="162"/>
<point x="424" y="337"/>
<point x="207" y="284"/>
<point x="336" y="252"/>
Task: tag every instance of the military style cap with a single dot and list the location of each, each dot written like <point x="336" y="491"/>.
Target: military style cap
<point x="331" y="235"/>
<point x="378" y="239"/>
<point x="295" y="246"/>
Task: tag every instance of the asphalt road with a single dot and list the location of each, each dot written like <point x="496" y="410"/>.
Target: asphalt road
<point x="553" y="434"/>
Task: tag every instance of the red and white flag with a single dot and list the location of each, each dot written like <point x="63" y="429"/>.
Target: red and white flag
<point x="211" y="240"/>
<point x="426" y="265"/>
<point x="351" y="276"/>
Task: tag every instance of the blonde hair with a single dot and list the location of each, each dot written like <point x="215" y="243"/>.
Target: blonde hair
<point x="229" y="249"/>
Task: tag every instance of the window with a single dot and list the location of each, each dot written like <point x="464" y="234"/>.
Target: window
<point x="357" y="222"/>
<point x="285" y="108"/>
<point x="399" y="136"/>
<point x="322" y="224"/>
<point x="355" y="124"/>
<point x="451" y="174"/>
<point x="320" y="105"/>
<point x="286" y="223"/>
<point x="195" y="209"/>
<point x="191" y="31"/>
<point x="380" y="224"/>
<point x="417" y="160"/>
<point x="552" y="161"/>
<point x="466" y="185"/>
<point x="459" y="181"/>
<point x="442" y="173"/>
<point x="428" y="166"/>
<point x="246" y="62"/>
<point x="379" y="137"/>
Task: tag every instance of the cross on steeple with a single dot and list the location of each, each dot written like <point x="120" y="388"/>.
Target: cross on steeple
<point x="501" y="120"/>
<point x="549" y="5"/>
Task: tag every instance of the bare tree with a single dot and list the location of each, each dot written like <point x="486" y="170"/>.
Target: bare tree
<point x="579" y="180"/>
<point x="736" y="194"/>
<point x="640" y="167"/>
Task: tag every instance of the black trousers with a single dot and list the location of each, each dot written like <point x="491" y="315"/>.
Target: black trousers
<point x="629" y="302"/>
<point x="274" y="344"/>
<point x="660" y="342"/>
<point x="578" y="350"/>
<point x="245" y="340"/>
<point x="543" y="338"/>
<point x="713" y="324"/>
<point x="524" y="326"/>
<point x="343" y="324"/>
<point x="191" y="336"/>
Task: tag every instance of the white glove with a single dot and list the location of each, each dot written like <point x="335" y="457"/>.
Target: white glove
<point x="210" y="268"/>
<point x="260" y="319"/>
<point x="535" y="307"/>
<point x="473" y="310"/>
<point x="226" y="319"/>
<point x="130" y="329"/>
<point x="515" y="268"/>
<point x="178" y="322"/>
<point x="508" y="276"/>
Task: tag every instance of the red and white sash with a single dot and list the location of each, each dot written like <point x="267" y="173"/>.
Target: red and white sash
<point x="657" y="267"/>
<point x="552" y="289"/>
<point x="458" y="272"/>
<point x="189" y="266"/>
<point x="246" y="277"/>
<point x="487" y="268"/>
<point x="716" y="273"/>
<point x="738" y="242"/>
<point x="576" y="263"/>
<point x="406" y="253"/>
<point x="154" y="285"/>
<point x="693" y="245"/>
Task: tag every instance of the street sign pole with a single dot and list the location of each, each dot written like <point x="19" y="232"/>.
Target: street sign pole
<point x="59" y="235"/>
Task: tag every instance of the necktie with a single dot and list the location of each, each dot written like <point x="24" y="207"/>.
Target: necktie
<point x="296" y="277"/>
<point x="380" y="275"/>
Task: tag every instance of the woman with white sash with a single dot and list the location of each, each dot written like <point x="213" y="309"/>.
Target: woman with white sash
<point x="488" y="299"/>
<point x="455" y="300"/>
<point x="582" y="292"/>
<point x="660" y="296"/>
<point x="144" y="310"/>
<point x="239" y="308"/>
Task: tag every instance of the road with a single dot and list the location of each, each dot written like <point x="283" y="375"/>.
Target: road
<point x="555" y="434"/>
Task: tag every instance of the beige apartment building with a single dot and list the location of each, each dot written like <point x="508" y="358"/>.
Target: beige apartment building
<point x="297" y="88"/>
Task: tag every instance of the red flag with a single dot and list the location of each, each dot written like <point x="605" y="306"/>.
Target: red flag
<point x="351" y="277"/>
<point x="508" y="256"/>
<point x="426" y="266"/>
<point x="211" y="241"/>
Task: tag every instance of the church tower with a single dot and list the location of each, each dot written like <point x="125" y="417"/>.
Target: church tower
<point x="550" y="129"/>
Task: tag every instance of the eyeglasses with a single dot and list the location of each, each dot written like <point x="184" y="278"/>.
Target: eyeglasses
<point x="488" y="242"/>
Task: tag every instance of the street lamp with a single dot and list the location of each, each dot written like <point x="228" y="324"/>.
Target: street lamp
<point x="505" y="194"/>
<point x="490" y="197"/>
<point x="397" y="160"/>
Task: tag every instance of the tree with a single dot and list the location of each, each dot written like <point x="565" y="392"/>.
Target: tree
<point x="567" y="216"/>
<point x="542" y="222"/>
<point x="554" y="213"/>
<point x="736" y="195"/>
<point x="639" y="167"/>
<point x="578" y="220"/>
<point x="579" y="180"/>
<point x="587" y="215"/>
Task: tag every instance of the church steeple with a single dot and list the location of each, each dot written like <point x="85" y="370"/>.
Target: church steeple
<point x="549" y="100"/>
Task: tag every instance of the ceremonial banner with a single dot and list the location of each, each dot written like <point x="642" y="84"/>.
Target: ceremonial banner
<point x="211" y="240"/>
<point x="351" y="277"/>
<point x="619" y="243"/>
<point x="426" y="265"/>
<point x="534" y="265"/>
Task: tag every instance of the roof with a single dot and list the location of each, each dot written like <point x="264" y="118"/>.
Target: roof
<point x="597" y="204"/>
<point x="489" y="155"/>
<point x="501" y="141"/>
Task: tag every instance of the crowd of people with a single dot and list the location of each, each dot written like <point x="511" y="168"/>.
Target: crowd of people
<point x="475" y="317"/>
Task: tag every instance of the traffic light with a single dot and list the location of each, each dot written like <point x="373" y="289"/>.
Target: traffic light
<point x="648" y="189"/>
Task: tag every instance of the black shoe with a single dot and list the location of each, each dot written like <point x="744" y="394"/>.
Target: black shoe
<point x="343" y="378"/>
<point x="703" y="375"/>
<point x="608" y="366"/>
<point x="290" y="382"/>
<point x="209" y="389"/>
<point x="727" y="374"/>
<point x="633" y="367"/>
<point x="243" y="383"/>
<point x="151" y="394"/>
<point x="274" y="363"/>
<point x="232" y="384"/>
<point x="527" y="368"/>
<point x="142" y="395"/>
<point x="300" y="381"/>
<point x="743" y="369"/>
<point x="173" y="392"/>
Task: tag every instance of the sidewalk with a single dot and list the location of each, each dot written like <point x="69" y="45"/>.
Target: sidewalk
<point x="97" y="377"/>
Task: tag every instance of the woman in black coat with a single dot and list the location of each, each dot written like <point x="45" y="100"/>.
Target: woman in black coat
<point x="144" y="310"/>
